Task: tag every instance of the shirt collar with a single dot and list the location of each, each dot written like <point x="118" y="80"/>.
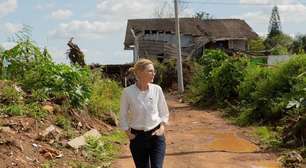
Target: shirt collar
<point x="140" y="91"/>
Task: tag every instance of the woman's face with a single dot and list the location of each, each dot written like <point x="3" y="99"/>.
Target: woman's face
<point x="147" y="75"/>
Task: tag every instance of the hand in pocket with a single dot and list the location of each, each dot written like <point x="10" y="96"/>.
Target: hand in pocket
<point x="160" y="131"/>
<point x="130" y="135"/>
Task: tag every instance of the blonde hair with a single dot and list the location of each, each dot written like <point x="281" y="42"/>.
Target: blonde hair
<point x="140" y="65"/>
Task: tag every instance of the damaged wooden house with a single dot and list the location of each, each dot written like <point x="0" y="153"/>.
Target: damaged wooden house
<point x="156" y="37"/>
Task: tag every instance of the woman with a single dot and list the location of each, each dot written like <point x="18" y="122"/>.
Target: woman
<point x="143" y="116"/>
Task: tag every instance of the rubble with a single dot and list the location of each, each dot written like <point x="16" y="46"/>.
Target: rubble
<point x="291" y="159"/>
<point x="7" y="130"/>
<point x="50" y="134"/>
<point x="50" y="153"/>
<point x="81" y="140"/>
<point x="19" y="124"/>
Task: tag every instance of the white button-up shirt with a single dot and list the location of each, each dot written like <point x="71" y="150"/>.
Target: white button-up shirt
<point x="143" y="110"/>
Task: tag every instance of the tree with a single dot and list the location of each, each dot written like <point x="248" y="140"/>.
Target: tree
<point x="166" y="9"/>
<point x="276" y="40"/>
<point x="275" y="23"/>
<point x="279" y="44"/>
<point x="75" y="54"/>
<point x="298" y="45"/>
<point x="1" y="49"/>
<point x="202" y="15"/>
<point x="256" y="44"/>
<point x="1" y="60"/>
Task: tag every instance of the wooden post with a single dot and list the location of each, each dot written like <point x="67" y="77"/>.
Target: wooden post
<point x="136" y="47"/>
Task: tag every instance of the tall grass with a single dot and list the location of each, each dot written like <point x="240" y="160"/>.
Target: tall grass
<point x="105" y="96"/>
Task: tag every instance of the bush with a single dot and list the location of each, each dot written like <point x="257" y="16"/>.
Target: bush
<point x="212" y="59"/>
<point x="37" y="73"/>
<point x="282" y="40"/>
<point x="17" y="61"/>
<point x="59" y="81"/>
<point x="201" y="90"/>
<point x="31" y="109"/>
<point x="257" y="44"/>
<point x="252" y="75"/>
<point x="166" y="73"/>
<point x="10" y="92"/>
<point x="226" y="78"/>
<point x="105" y="97"/>
<point x="279" y="50"/>
<point x="38" y="95"/>
<point x="218" y="79"/>
<point x="268" y="137"/>
<point x="268" y="91"/>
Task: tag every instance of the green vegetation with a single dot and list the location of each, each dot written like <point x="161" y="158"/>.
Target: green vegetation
<point x="79" y="164"/>
<point x="257" y="44"/>
<point x="48" y="164"/>
<point x="59" y="81"/>
<point x="105" y="97"/>
<point x="217" y="79"/>
<point x="35" y="71"/>
<point x="252" y="94"/>
<point x="166" y="74"/>
<point x="63" y="122"/>
<point x="299" y="44"/>
<point x="202" y="15"/>
<point x="9" y="92"/>
<point x="268" y="137"/>
<point x="31" y="109"/>
<point x="29" y="79"/>
<point x="101" y="151"/>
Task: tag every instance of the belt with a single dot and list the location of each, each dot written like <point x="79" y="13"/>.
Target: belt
<point x="134" y="131"/>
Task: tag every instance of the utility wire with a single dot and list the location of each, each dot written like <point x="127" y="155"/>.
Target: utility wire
<point x="235" y="3"/>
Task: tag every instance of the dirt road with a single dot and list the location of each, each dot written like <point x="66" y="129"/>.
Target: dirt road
<point x="202" y="139"/>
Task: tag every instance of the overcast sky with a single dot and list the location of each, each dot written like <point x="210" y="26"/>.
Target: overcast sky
<point x="98" y="26"/>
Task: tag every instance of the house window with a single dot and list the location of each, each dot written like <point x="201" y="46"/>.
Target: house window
<point x="231" y="44"/>
<point x="154" y="31"/>
<point x="147" y="32"/>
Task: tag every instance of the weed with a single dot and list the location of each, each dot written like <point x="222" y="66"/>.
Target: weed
<point x="268" y="137"/>
<point x="105" y="97"/>
<point x="102" y="150"/>
<point x="13" y="110"/>
<point x="79" y="164"/>
<point x="48" y="164"/>
<point x="31" y="109"/>
<point x="35" y="110"/>
<point x="9" y="92"/>
<point x="63" y="122"/>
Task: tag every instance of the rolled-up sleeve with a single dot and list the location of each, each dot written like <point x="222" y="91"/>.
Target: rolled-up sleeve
<point x="163" y="107"/>
<point x="124" y="108"/>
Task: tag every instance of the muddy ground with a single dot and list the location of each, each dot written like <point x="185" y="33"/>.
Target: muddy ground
<point x="203" y="139"/>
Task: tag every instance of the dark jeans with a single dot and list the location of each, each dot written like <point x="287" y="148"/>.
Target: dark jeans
<point x="148" y="150"/>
